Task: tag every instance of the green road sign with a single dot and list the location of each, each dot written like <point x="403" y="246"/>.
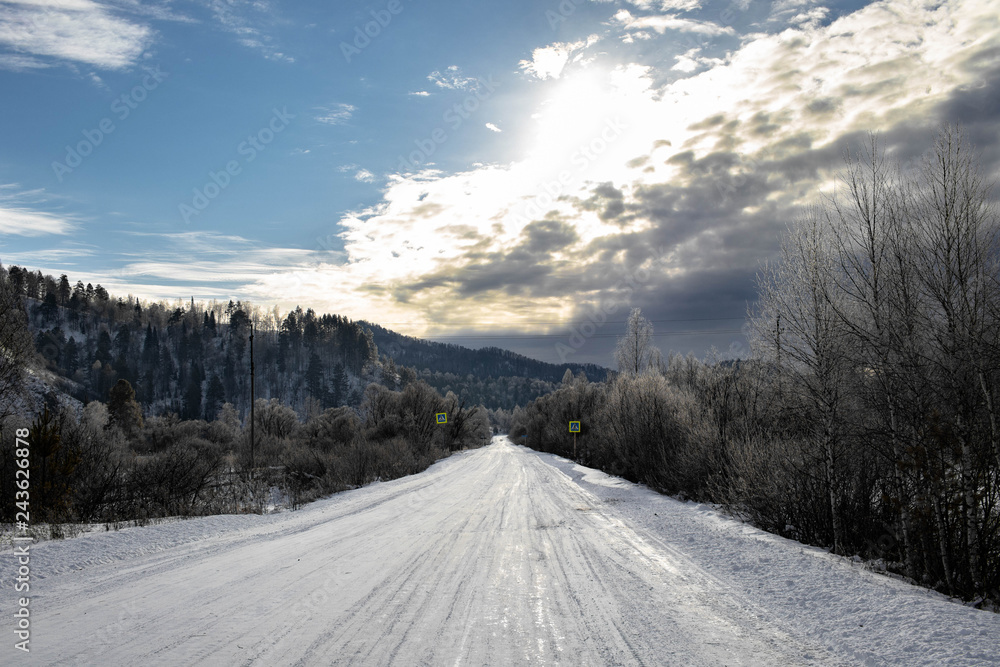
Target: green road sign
<point x="442" y="417"/>
<point x="574" y="427"/>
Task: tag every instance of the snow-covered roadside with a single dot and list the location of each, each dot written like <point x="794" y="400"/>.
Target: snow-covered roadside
<point x="96" y="546"/>
<point x="496" y="556"/>
<point x="867" y="617"/>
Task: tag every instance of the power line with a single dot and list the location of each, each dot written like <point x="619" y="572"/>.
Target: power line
<point x="567" y="334"/>
<point x="561" y="322"/>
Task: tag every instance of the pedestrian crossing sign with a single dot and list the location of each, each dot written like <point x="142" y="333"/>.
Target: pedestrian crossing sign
<point x="574" y="427"/>
<point x="442" y="417"/>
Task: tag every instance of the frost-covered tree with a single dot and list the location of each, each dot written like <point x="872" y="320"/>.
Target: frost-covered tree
<point x="635" y="351"/>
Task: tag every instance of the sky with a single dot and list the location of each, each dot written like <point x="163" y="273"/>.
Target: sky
<point x="517" y="174"/>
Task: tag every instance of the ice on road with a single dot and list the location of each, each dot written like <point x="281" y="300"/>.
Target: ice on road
<point x="499" y="556"/>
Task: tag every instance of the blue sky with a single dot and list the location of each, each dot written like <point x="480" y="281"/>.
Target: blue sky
<point x="490" y="169"/>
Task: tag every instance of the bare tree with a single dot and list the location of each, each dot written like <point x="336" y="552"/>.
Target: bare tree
<point x="635" y="350"/>
<point x="955" y="241"/>
<point x="868" y="219"/>
<point x="797" y="327"/>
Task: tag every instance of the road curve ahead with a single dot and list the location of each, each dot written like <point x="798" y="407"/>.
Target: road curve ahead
<point x="490" y="557"/>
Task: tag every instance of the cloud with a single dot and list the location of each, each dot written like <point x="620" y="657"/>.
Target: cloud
<point x="20" y="213"/>
<point x="452" y="79"/>
<point x="667" y="5"/>
<point x="336" y="114"/>
<point x="27" y="222"/>
<point x="249" y="20"/>
<point x="19" y="63"/>
<point x="548" y="62"/>
<point x="709" y="170"/>
<point x="223" y="259"/>
<point x="420" y="93"/>
<point x="670" y="22"/>
<point x="627" y="170"/>
<point x="493" y="128"/>
<point x="691" y="60"/>
<point x="364" y="176"/>
<point x="78" y="31"/>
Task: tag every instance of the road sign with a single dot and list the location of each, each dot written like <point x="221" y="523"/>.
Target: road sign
<point x="574" y="427"/>
<point x="442" y="417"/>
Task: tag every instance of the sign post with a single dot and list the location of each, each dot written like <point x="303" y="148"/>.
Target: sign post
<point x="574" y="428"/>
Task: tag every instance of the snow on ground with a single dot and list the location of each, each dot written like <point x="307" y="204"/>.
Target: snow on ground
<point x="497" y="556"/>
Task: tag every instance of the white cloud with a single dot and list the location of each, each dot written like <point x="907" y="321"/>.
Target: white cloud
<point x="548" y="62"/>
<point x="420" y="93"/>
<point x="493" y="128"/>
<point x="28" y="222"/>
<point x="364" y="176"/>
<point x="19" y="63"/>
<point x="667" y="5"/>
<point x="670" y="22"/>
<point x="39" y="258"/>
<point x="336" y="114"/>
<point x="75" y="30"/>
<point x="452" y="78"/>
<point x="248" y="20"/>
<point x="691" y="60"/>
<point x="20" y="214"/>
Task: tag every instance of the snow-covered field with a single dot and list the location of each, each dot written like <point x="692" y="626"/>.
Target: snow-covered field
<point x="498" y="556"/>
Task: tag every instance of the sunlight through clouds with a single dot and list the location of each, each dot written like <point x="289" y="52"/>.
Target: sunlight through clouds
<point x="516" y="240"/>
<point x="628" y="135"/>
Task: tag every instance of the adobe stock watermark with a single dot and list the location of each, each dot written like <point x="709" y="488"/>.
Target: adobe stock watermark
<point x="454" y="117"/>
<point x="563" y="11"/>
<point x="121" y="108"/>
<point x="624" y="288"/>
<point x="364" y="34"/>
<point x="249" y="149"/>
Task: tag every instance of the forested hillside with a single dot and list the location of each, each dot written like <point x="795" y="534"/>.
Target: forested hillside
<point x="190" y="358"/>
<point x="484" y="362"/>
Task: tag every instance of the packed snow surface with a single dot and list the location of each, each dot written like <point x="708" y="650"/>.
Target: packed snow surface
<point x="499" y="556"/>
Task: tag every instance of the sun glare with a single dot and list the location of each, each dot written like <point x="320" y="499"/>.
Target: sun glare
<point x="572" y="113"/>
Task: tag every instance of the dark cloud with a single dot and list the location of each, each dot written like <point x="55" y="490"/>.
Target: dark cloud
<point x="709" y="123"/>
<point x="607" y="200"/>
<point x="823" y="105"/>
<point x="527" y="269"/>
<point x="546" y="236"/>
<point x="465" y="232"/>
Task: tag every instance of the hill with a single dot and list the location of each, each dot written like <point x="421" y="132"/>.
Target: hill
<point x="190" y="358"/>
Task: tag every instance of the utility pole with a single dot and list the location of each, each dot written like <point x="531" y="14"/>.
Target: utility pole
<point x="251" y="400"/>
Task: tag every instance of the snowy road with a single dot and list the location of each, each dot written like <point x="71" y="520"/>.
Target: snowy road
<point x="499" y="556"/>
